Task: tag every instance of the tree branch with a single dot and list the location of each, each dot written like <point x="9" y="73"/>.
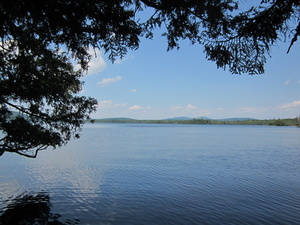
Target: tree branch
<point x="21" y="150"/>
<point x="21" y="109"/>
<point x="294" y="38"/>
<point x="28" y="156"/>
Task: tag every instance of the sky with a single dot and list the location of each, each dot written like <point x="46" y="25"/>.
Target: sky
<point x="153" y="83"/>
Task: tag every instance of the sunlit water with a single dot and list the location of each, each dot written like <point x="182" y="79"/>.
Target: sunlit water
<point x="164" y="174"/>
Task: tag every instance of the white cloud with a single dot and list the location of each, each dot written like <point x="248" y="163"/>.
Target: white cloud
<point x="108" y="104"/>
<point x="135" y="107"/>
<point x="290" y="105"/>
<point x="106" y="81"/>
<point x="133" y="90"/>
<point x="96" y="64"/>
<point x="120" y="61"/>
<point x="176" y="108"/>
<point x="287" y="82"/>
<point x="189" y="110"/>
<point x="248" y="110"/>
<point x="256" y="112"/>
<point x="189" y="106"/>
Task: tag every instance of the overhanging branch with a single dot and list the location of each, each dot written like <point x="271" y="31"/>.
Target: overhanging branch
<point x="23" y="151"/>
<point x="294" y="38"/>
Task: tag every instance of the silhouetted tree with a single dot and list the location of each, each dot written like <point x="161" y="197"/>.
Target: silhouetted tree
<point x="31" y="209"/>
<point x="40" y="39"/>
<point x="232" y="37"/>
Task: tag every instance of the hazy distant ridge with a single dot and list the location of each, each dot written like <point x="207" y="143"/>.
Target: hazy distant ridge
<point x="183" y="118"/>
<point x="118" y="118"/>
<point x="205" y="120"/>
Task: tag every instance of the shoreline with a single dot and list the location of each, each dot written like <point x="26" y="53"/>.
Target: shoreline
<point x="269" y="122"/>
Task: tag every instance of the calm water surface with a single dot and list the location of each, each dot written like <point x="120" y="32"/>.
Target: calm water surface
<point x="163" y="174"/>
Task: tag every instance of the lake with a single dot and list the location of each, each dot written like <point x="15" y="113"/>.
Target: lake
<point x="161" y="174"/>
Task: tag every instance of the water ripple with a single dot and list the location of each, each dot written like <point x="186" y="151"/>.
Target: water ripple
<point x="122" y="174"/>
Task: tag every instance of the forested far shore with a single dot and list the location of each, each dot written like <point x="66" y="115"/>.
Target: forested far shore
<point x="266" y="122"/>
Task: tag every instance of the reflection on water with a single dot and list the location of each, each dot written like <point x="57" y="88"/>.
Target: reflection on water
<point x="163" y="174"/>
<point x="31" y="209"/>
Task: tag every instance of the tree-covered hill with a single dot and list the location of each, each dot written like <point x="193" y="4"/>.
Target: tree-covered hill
<point x="237" y="121"/>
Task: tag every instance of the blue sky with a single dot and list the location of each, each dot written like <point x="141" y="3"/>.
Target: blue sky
<point x="151" y="83"/>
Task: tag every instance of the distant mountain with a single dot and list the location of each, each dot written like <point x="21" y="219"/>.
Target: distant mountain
<point x="236" y="119"/>
<point x="182" y="118"/>
<point x="115" y="119"/>
<point x="206" y="118"/>
<point x="203" y="118"/>
<point x="179" y="118"/>
<point x="188" y="118"/>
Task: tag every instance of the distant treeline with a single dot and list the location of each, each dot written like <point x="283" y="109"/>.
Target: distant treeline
<point x="269" y="122"/>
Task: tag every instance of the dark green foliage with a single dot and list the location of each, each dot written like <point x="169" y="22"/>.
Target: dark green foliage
<point x="39" y="40"/>
<point x="233" y="38"/>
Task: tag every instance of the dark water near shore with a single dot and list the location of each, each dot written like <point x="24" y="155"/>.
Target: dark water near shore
<point x="163" y="174"/>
